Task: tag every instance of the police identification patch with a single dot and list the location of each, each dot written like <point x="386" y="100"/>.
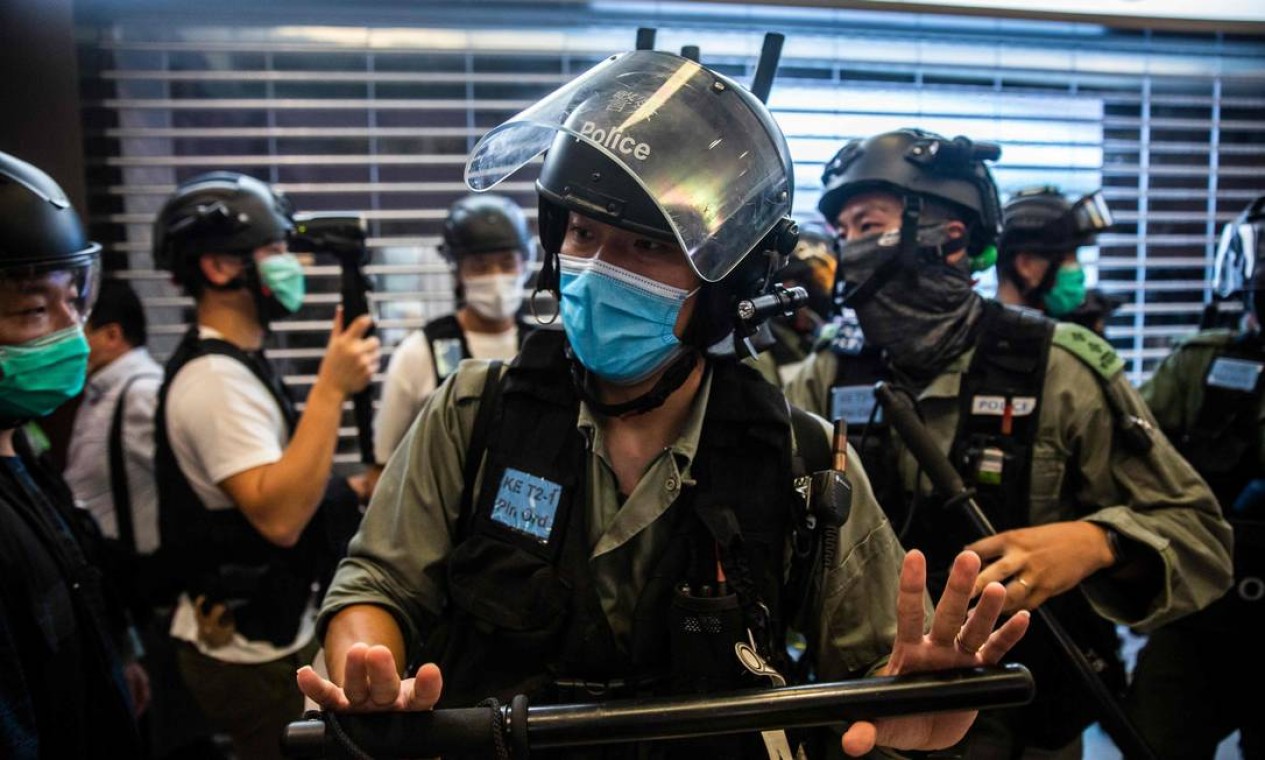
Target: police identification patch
<point x="853" y="404"/>
<point x="848" y="340"/>
<point x="447" y="356"/>
<point x="995" y="406"/>
<point x="1235" y="374"/>
<point x="526" y="504"/>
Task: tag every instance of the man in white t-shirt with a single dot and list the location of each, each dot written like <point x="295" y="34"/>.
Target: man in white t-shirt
<point x="249" y="514"/>
<point x="487" y="242"/>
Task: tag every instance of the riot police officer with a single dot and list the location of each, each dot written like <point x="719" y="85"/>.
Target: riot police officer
<point x="62" y="691"/>
<point x="542" y="526"/>
<point x="1037" y="263"/>
<point x="1099" y="517"/>
<point x="249" y="515"/>
<point x="485" y="239"/>
<point x="1208" y="396"/>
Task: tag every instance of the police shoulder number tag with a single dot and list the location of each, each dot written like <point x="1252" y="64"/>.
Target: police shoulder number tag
<point x="852" y="404"/>
<point x="1235" y="374"/>
<point x="527" y="504"/>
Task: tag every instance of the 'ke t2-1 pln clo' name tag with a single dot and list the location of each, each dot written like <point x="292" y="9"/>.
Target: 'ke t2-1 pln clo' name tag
<point x="527" y="504"/>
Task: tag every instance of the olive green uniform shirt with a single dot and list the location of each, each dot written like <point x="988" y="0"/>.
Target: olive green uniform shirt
<point x="1175" y="393"/>
<point x="398" y="559"/>
<point x="1081" y="472"/>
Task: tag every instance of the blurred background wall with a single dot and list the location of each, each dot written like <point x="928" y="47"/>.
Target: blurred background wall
<point x="373" y="107"/>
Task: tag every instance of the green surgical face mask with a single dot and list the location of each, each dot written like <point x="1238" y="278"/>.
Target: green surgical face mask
<point x="1068" y="291"/>
<point x="282" y="274"/>
<point x="40" y="375"/>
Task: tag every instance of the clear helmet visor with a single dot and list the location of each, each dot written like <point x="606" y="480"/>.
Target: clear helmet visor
<point x="76" y="283"/>
<point x="1090" y="214"/>
<point x="688" y="137"/>
<point x="1234" y="268"/>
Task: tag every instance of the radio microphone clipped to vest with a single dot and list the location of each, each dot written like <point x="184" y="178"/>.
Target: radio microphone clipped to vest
<point x="831" y="500"/>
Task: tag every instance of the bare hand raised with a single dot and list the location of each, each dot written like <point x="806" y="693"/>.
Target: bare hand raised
<point x="372" y="683"/>
<point x="960" y="637"/>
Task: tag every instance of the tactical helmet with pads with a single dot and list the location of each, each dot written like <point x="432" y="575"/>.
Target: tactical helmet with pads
<point x="41" y="232"/>
<point x="1041" y="220"/>
<point x="1239" y="266"/>
<point x="485" y="223"/>
<point x="914" y="162"/>
<point x="217" y="212"/>
<point x="659" y="145"/>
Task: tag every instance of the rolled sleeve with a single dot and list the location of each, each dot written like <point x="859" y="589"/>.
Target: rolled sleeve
<point x="1154" y="498"/>
<point x="398" y="558"/>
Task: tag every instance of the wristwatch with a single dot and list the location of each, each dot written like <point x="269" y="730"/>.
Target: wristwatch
<point x="1119" y="545"/>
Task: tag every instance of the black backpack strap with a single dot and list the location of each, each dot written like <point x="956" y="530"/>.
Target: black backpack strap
<point x="488" y="403"/>
<point x="120" y="490"/>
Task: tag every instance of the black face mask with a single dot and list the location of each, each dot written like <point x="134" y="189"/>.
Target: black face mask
<point x="922" y="312"/>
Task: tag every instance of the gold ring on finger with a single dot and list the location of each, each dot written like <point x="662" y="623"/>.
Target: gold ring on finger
<point x="963" y="648"/>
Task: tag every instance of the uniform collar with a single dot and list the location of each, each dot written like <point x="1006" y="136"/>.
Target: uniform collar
<point x="948" y="384"/>
<point x="686" y="444"/>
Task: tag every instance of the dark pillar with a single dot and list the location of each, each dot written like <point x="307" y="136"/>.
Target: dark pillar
<point x="39" y="91"/>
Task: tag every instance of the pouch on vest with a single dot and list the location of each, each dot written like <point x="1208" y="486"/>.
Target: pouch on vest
<point x="704" y="631"/>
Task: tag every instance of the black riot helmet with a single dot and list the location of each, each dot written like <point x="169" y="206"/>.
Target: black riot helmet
<point x="1040" y="220"/>
<point x="40" y="231"/>
<point x="659" y="145"/>
<point x="485" y="223"/>
<point x="580" y="175"/>
<point x="217" y="212"/>
<point x="1239" y="267"/>
<point x="916" y="163"/>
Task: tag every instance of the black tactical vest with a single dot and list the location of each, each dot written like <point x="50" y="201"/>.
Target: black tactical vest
<point x="448" y="345"/>
<point x="1223" y="444"/>
<point x="524" y="616"/>
<point x="859" y="366"/>
<point x="217" y="553"/>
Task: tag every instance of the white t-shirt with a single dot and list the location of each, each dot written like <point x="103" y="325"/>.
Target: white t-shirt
<point x="410" y="380"/>
<point x="222" y="421"/>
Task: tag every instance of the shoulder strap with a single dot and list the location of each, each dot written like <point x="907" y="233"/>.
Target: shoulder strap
<point x="119" y="488"/>
<point x="488" y="403"/>
<point x="1097" y="354"/>
<point x="1085" y="344"/>
<point x="445" y="328"/>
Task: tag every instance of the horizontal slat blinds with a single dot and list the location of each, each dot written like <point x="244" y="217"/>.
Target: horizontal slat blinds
<point x="378" y="119"/>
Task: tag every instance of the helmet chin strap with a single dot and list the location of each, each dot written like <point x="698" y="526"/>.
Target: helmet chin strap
<point x="249" y="280"/>
<point x="1035" y="295"/>
<point x="669" y="381"/>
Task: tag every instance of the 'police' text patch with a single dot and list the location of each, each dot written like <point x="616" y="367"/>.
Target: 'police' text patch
<point x="527" y="504"/>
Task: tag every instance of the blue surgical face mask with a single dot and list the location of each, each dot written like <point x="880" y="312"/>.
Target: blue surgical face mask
<point x="40" y="375"/>
<point x="620" y="324"/>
